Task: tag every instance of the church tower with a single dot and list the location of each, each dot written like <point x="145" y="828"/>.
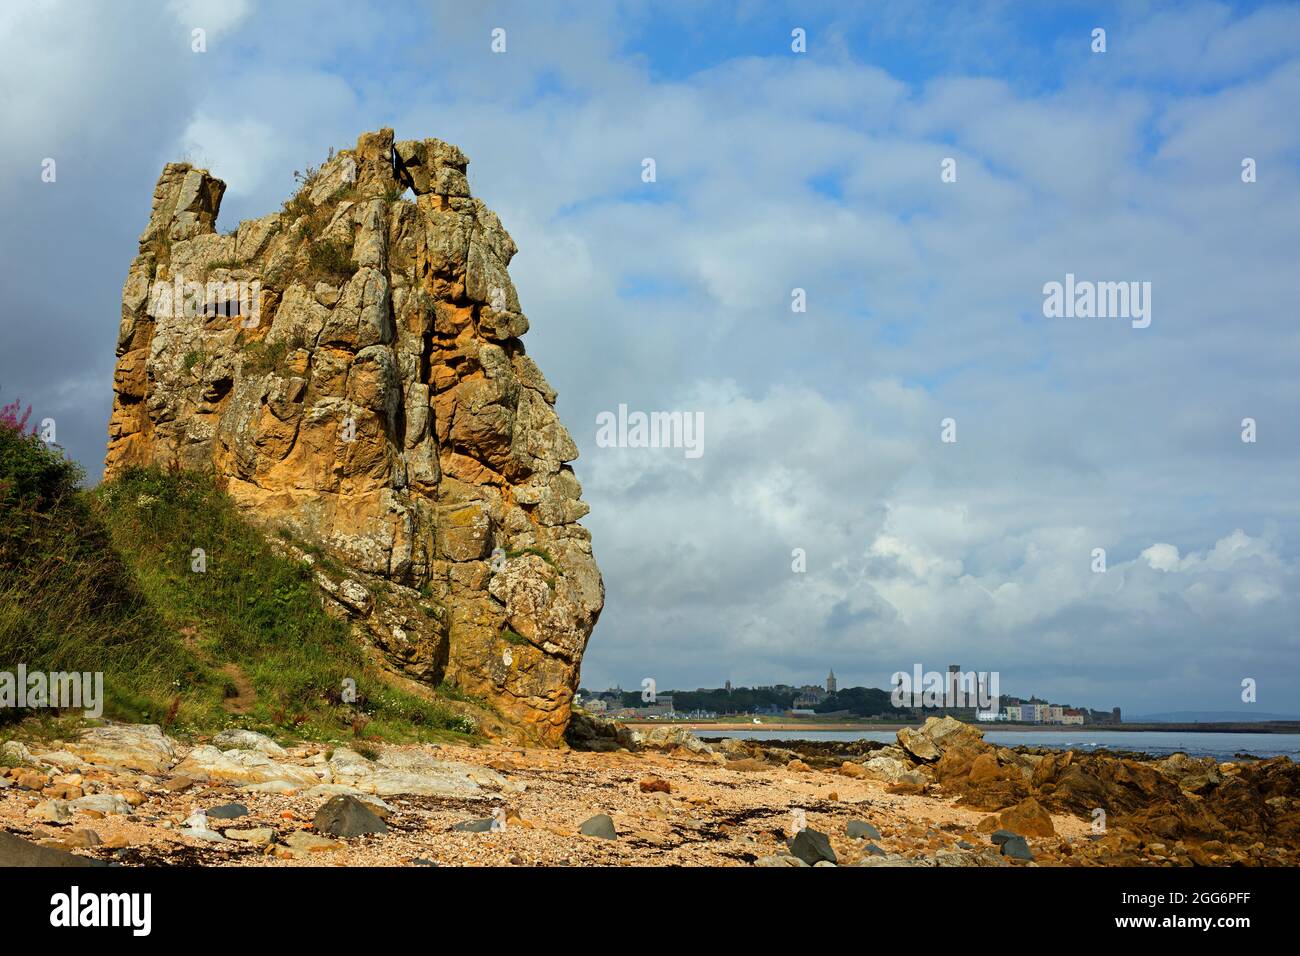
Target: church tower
<point x="830" y="683"/>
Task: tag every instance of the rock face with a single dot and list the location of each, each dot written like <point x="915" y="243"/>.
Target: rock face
<point x="351" y="370"/>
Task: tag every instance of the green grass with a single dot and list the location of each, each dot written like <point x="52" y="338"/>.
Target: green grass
<point x="329" y="261"/>
<point x="261" y="356"/>
<point x="540" y="552"/>
<point x="298" y="205"/>
<point x="102" y="581"/>
<point x="9" y="760"/>
<point x="452" y="692"/>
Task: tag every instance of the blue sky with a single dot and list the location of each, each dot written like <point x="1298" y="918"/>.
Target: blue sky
<point x="778" y="171"/>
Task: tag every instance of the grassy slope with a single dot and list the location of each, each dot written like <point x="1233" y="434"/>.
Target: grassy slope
<point x="103" y="581"/>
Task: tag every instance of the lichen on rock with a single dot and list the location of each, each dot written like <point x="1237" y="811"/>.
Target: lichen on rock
<point x="350" y="368"/>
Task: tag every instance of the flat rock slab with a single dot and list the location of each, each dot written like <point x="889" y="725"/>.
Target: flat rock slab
<point x="398" y="773"/>
<point x="302" y="843"/>
<point x="202" y="833"/>
<point x="106" y="803"/>
<point x="141" y="747"/>
<point x="861" y="830"/>
<point x="889" y="859"/>
<point x="15" y="851"/>
<point x="228" y="811"/>
<point x="248" y="740"/>
<point x="242" y="767"/>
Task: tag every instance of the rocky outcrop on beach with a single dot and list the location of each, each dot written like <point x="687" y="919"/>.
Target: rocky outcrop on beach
<point x="592" y="732"/>
<point x="352" y="370"/>
<point x="137" y="795"/>
<point x="1248" y="811"/>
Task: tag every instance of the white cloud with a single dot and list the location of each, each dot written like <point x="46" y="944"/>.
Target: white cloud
<point x="1162" y="557"/>
<point x="239" y="152"/>
<point x="822" y="427"/>
<point x="214" y="16"/>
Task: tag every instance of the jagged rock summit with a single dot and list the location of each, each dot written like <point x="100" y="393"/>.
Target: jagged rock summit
<point x="351" y="371"/>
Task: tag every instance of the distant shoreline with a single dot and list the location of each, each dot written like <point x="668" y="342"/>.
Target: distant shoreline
<point x="787" y="726"/>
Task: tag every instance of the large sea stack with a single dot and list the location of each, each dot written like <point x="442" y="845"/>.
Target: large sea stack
<point x="351" y="370"/>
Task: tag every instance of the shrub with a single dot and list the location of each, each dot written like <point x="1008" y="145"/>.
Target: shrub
<point x="32" y="473"/>
<point x="330" y="261"/>
<point x="262" y="356"/>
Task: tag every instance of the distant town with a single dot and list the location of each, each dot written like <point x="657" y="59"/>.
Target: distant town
<point x="826" y="701"/>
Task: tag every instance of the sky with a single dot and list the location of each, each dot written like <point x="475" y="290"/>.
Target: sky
<point x="776" y="171"/>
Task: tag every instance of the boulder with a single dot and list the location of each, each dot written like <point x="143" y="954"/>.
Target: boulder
<point x="811" y="846"/>
<point x="345" y="816"/>
<point x="53" y="811"/>
<point x="1193" y="775"/>
<point x="944" y="735"/>
<point x="599" y="826"/>
<point x="918" y="745"/>
<point x="591" y="732"/>
<point x="1017" y="848"/>
<point x="670" y="738"/>
<point x="1028" y="818"/>
<point x="888" y="769"/>
<point x="257" y="836"/>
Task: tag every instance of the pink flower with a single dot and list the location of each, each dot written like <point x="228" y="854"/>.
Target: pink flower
<point x="9" y="417"/>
